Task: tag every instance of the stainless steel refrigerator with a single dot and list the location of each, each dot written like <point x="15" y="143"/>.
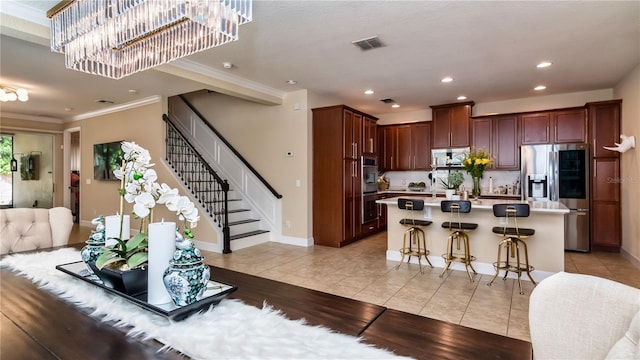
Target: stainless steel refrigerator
<point x="560" y="173"/>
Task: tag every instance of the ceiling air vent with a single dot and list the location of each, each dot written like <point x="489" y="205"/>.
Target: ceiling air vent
<point x="388" y="101"/>
<point x="368" y="43"/>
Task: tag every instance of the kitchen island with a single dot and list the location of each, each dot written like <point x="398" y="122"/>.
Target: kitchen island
<point x="546" y="247"/>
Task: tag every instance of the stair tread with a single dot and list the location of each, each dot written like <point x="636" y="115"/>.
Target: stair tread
<point x="247" y="234"/>
<point x="231" y="211"/>
<point x="240" y="222"/>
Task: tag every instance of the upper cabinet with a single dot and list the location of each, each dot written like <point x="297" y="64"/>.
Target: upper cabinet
<point x="404" y="147"/>
<point x="499" y="136"/>
<point x="370" y="136"/>
<point x="451" y="125"/>
<point x="604" y="117"/>
<point x="535" y="128"/>
<point x="554" y="127"/>
<point x="570" y="126"/>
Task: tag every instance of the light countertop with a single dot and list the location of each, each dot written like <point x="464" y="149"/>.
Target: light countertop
<point x="487" y="204"/>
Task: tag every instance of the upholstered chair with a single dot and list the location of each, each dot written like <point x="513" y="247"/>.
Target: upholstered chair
<point x="23" y="229"/>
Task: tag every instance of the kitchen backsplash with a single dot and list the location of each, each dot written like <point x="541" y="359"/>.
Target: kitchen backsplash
<point x="503" y="181"/>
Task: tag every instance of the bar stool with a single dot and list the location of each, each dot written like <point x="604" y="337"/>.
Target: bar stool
<point x="513" y="240"/>
<point x="415" y="235"/>
<point x="458" y="233"/>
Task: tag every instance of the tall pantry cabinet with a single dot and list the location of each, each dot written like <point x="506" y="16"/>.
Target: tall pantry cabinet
<point x="604" y="127"/>
<point x="338" y="143"/>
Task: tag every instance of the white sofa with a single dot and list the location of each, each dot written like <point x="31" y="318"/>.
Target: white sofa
<point x="573" y="316"/>
<point x="23" y="229"/>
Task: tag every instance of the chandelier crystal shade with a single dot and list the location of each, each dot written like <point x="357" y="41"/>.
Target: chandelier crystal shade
<point x="117" y="38"/>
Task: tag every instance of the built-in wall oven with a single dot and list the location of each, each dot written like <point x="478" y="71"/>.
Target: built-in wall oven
<point x="369" y="188"/>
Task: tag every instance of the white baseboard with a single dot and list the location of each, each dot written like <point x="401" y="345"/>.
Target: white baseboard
<point x="290" y="240"/>
<point x="207" y="246"/>
<point x="481" y="268"/>
<point x="629" y="256"/>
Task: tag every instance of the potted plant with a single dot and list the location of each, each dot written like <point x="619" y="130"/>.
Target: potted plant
<point x="452" y="183"/>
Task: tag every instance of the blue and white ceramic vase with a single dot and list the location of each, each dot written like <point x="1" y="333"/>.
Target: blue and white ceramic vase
<point x="93" y="249"/>
<point x="187" y="276"/>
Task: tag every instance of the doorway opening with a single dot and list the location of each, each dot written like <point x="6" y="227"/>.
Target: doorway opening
<point x="8" y="165"/>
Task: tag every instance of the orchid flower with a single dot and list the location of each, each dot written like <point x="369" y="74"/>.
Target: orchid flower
<point x="140" y="187"/>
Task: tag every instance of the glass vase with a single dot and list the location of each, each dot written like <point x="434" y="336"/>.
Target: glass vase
<point x="476" y="187"/>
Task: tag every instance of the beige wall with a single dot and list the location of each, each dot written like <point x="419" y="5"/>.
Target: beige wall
<point x="628" y="89"/>
<point x="144" y="126"/>
<point x="262" y="134"/>
<point x="53" y="129"/>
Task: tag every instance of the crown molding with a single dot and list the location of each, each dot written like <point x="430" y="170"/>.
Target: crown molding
<point x="223" y="82"/>
<point x="25" y="12"/>
<point x="117" y="108"/>
<point x="18" y="116"/>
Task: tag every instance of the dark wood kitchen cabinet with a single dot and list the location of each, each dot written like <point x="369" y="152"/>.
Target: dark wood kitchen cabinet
<point x="604" y="123"/>
<point x="570" y="126"/>
<point x="499" y="136"/>
<point x="370" y="136"/>
<point x="604" y="129"/>
<point x="451" y="125"/>
<point x="535" y="128"/>
<point x="337" y="183"/>
<point x="404" y="147"/>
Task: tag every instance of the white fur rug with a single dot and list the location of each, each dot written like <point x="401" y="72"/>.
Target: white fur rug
<point x="231" y="330"/>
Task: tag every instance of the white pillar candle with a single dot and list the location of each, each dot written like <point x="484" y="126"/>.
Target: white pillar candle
<point x="112" y="229"/>
<point x="162" y="245"/>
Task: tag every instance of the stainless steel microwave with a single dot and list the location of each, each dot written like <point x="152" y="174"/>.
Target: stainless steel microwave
<point x="449" y="157"/>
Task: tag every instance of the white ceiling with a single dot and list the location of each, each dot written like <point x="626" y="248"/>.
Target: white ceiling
<point x="489" y="48"/>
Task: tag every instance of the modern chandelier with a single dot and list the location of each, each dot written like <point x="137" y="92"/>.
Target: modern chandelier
<point x="117" y="38"/>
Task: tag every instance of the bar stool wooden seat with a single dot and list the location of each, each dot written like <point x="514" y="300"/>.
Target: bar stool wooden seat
<point x="414" y="242"/>
<point x="513" y="241"/>
<point x="458" y="234"/>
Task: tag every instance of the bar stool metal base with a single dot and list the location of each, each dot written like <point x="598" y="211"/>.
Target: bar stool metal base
<point x="512" y="245"/>
<point x="417" y="247"/>
<point x="464" y="257"/>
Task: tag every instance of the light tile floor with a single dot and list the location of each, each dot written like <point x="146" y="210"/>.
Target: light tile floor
<point x="360" y="271"/>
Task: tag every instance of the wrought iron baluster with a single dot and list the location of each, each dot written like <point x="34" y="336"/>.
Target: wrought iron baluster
<point x="198" y="176"/>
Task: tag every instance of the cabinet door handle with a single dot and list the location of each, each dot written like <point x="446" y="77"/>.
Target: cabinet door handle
<point x="450" y="140"/>
<point x="355" y="155"/>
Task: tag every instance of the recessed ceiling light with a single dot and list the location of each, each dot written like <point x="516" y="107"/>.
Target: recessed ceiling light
<point x="132" y="91"/>
<point x="544" y="64"/>
<point x="67" y="109"/>
<point x="539" y="87"/>
<point x="447" y="79"/>
<point x="291" y="82"/>
<point x="462" y="97"/>
<point x="368" y="92"/>
<point x="395" y="106"/>
<point x="227" y="65"/>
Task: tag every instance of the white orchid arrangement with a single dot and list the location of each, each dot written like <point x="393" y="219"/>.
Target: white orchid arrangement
<point x="139" y="186"/>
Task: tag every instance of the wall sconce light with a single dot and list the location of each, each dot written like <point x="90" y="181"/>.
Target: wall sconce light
<point x="628" y="142"/>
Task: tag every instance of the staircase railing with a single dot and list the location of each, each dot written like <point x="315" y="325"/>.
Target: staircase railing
<point x="203" y="182"/>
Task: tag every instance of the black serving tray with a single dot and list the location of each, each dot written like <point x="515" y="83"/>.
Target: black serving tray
<point x="215" y="292"/>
